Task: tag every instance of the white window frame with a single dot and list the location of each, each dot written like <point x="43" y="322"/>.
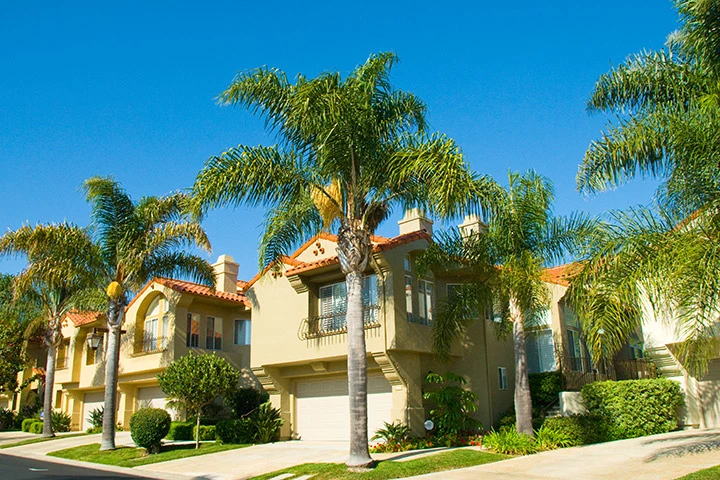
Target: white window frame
<point x="242" y="322"/>
<point x="156" y="326"/>
<point x="214" y="341"/>
<point x="426" y="301"/>
<point x="332" y="303"/>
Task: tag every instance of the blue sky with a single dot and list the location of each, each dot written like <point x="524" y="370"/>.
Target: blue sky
<point x="127" y="89"/>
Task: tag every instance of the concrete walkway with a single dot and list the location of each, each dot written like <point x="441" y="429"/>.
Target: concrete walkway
<point x="658" y="457"/>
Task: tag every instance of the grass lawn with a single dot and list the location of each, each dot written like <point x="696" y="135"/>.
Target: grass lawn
<point x="40" y="439"/>
<point x="133" y="457"/>
<point x="711" y="473"/>
<point x="391" y="469"/>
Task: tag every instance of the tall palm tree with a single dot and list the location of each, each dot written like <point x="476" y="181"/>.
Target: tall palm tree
<point x="503" y="269"/>
<point x="61" y="265"/>
<point x="667" y="109"/>
<point x="137" y="242"/>
<point x="350" y="150"/>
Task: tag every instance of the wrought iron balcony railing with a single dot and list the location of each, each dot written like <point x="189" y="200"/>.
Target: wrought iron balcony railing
<point x="151" y="345"/>
<point x="335" y="323"/>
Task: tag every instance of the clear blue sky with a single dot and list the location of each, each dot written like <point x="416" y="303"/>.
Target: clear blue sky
<point x="127" y="89"/>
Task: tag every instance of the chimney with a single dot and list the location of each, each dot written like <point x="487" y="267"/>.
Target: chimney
<point x="226" y="274"/>
<point x="472" y="225"/>
<point x="415" y="221"/>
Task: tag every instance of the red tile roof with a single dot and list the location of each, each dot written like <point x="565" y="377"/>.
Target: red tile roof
<point x="83" y="318"/>
<point x="561" y="274"/>
<point x="202" y="290"/>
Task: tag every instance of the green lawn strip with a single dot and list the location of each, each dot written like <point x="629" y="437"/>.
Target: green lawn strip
<point x="711" y="473"/>
<point x="30" y="441"/>
<point x="134" y="457"/>
<point x="392" y="469"/>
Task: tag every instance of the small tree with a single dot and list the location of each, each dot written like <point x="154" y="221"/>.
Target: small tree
<point x="194" y="381"/>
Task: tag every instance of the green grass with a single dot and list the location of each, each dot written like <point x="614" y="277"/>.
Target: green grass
<point x="30" y="441"/>
<point x="391" y="469"/>
<point x="133" y="457"/>
<point x="711" y="473"/>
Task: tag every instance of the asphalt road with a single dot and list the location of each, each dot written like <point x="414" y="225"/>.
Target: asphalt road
<point x="17" y="468"/>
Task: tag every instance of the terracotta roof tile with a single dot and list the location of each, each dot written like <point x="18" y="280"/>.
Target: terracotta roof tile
<point x="183" y="286"/>
<point x="561" y="274"/>
<point x="83" y="318"/>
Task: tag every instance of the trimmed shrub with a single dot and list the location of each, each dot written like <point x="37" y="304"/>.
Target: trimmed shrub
<point x="26" y="424"/>
<point x="7" y="419"/>
<point x="635" y="408"/>
<point x="545" y="387"/>
<point x="181" y="431"/>
<point x="235" y="431"/>
<point x="61" y="422"/>
<point x="509" y="442"/>
<point x="36" y="427"/>
<point x="580" y="429"/>
<point x="148" y="426"/>
<point x="207" y="432"/>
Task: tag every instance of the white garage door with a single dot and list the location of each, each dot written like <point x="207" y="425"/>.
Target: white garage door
<point x="151" y="397"/>
<point x="323" y="411"/>
<point x="91" y="401"/>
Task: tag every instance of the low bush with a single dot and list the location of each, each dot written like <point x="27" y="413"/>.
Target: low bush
<point x="635" y="408"/>
<point x="243" y="401"/>
<point x="96" y="417"/>
<point x="93" y="430"/>
<point x="235" y="431"/>
<point x="545" y="387"/>
<point x="148" y="426"/>
<point x="580" y="429"/>
<point x="181" y="431"/>
<point x="61" y="422"/>
<point x="395" y="432"/>
<point x="428" y="442"/>
<point x="508" y="418"/>
<point x="207" y="432"/>
<point x="509" y="441"/>
<point x="7" y="419"/>
<point x="551" y="439"/>
<point x="36" y="427"/>
<point x="266" y="423"/>
<point x="25" y="427"/>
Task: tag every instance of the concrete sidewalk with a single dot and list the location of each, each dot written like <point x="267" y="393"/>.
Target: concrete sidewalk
<point x="658" y="457"/>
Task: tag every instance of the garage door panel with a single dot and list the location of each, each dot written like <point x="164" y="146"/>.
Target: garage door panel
<point x="322" y="408"/>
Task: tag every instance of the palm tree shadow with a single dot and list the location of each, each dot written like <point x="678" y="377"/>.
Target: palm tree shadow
<point x="700" y="443"/>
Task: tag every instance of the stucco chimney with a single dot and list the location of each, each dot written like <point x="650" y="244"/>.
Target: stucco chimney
<point x="226" y="274"/>
<point x="415" y="221"/>
<point x="472" y="225"/>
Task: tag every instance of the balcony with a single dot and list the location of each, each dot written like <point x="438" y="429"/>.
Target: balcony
<point x="335" y="323"/>
<point x="151" y="345"/>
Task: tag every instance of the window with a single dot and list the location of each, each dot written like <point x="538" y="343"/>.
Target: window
<point x="242" y="332"/>
<point x="156" y="326"/>
<point x="408" y="263"/>
<point x="61" y="354"/>
<point x="540" y="349"/>
<point x="452" y="289"/>
<point x="333" y="303"/>
<point x="193" y="330"/>
<point x="545" y="318"/>
<point x="213" y="333"/>
<point x="571" y="319"/>
<point x="409" y="298"/>
<point x="426" y="302"/>
<point x="576" y="351"/>
<point x="502" y="378"/>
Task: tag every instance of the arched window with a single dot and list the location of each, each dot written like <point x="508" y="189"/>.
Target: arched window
<point x="155" y="327"/>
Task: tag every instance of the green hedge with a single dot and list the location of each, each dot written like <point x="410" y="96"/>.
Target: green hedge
<point x="235" y="431"/>
<point x="545" y="387"/>
<point x="181" y="431"/>
<point x="635" y="408"/>
<point x="36" y="427"/>
<point x="581" y="429"/>
<point x="207" y="432"/>
<point x="26" y="423"/>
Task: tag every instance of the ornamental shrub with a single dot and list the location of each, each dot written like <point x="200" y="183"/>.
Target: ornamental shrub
<point x="453" y="405"/>
<point x="61" y="422"/>
<point x="550" y="439"/>
<point x="148" y="426"/>
<point x="509" y="441"/>
<point x="181" y="431"/>
<point x="580" y="429"/>
<point x="96" y="417"/>
<point x="396" y="432"/>
<point x="36" y="427"/>
<point x="237" y="431"/>
<point x="207" y="432"/>
<point x="7" y="419"/>
<point x="243" y="401"/>
<point x="26" y="424"/>
<point x="635" y="408"/>
<point x="545" y="387"/>
<point x="266" y="422"/>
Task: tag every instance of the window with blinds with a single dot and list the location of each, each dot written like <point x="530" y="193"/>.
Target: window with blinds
<point x="333" y="303"/>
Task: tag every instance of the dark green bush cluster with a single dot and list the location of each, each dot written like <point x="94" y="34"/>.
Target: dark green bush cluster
<point x="243" y="401"/>
<point x="261" y="426"/>
<point x="7" y="419"/>
<point x="635" y="408"/>
<point x="25" y="427"/>
<point x="545" y="387"/>
<point x="508" y="418"/>
<point x="206" y="432"/>
<point x="148" y="426"/>
<point x="181" y="431"/>
<point x="580" y="429"/>
<point x="36" y="427"/>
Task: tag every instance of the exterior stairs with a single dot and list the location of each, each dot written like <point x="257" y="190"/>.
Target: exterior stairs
<point x="665" y="362"/>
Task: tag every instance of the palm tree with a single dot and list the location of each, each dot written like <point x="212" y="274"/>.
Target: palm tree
<point x="137" y="242"/>
<point x="60" y="274"/>
<point x="350" y="150"/>
<point x="503" y="270"/>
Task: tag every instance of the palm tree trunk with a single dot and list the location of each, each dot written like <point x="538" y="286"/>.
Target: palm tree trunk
<point x="354" y="250"/>
<point x="49" y="384"/>
<point x="523" y="401"/>
<point x="115" y="318"/>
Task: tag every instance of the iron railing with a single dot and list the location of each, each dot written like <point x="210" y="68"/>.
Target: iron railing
<point x="150" y="345"/>
<point x="335" y="323"/>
